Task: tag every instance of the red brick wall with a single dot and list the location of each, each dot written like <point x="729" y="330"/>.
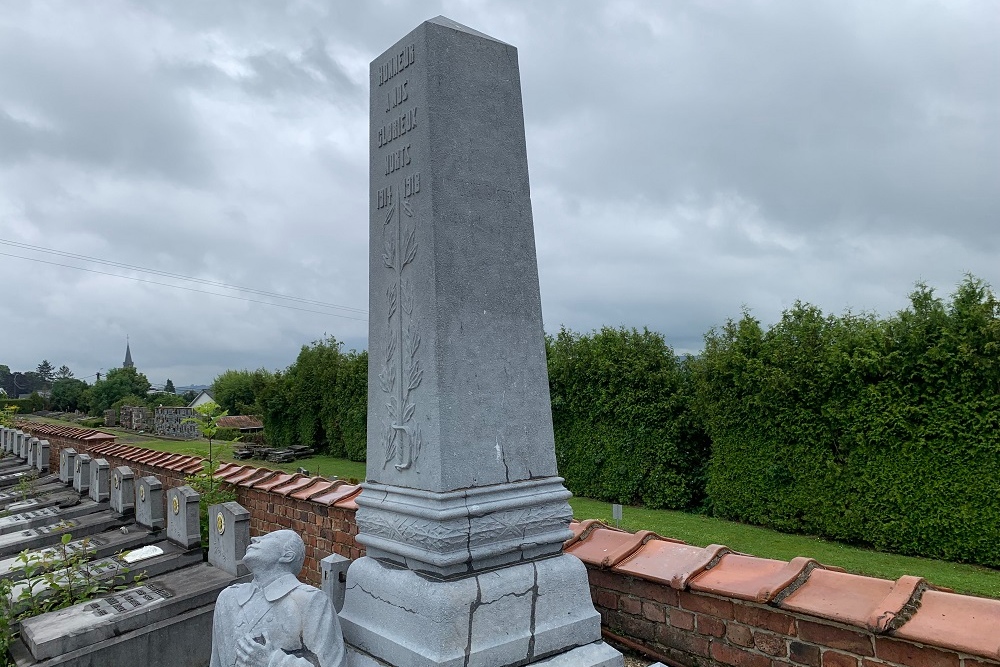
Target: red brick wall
<point x="700" y="630"/>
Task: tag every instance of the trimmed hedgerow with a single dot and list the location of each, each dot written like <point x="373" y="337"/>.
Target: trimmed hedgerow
<point x="881" y="431"/>
<point x="624" y="429"/>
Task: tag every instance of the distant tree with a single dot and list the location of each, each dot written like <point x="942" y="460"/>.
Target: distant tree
<point x="169" y="386"/>
<point x="238" y="392"/>
<point x="167" y="400"/>
<point x="45" y="370"/>
<point x="67" y="394"/>
<point x="7" y="381"/>
<point x="64" y="373"/>
<point x="119" y="383"/>
<point x="189" y="395"/>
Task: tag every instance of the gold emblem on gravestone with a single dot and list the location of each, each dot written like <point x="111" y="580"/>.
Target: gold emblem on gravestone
<point x="220" y="523"/>
<point x="142" y="493"/>
<point x="176" y="505"/>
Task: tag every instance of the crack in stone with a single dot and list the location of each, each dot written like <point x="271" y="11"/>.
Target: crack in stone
<point x="472" y="614"/>
<point x="375" y="597"/>
<point x="534" y="607"/>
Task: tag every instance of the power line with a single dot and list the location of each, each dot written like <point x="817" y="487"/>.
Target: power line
<point x="186" y="289"/>
<point x="167" y="274"/>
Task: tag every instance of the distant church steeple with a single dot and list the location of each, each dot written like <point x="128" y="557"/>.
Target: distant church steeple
<point x="128" y="356"/>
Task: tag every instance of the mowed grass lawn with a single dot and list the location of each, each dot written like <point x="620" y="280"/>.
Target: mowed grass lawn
<point x="692" y="528"/>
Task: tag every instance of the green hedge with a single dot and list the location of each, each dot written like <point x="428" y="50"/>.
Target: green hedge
<point x="879" y="431"/>
<point x="624" y="429"/>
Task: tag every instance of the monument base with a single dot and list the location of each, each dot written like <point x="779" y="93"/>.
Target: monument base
<point x="535" y="613"/>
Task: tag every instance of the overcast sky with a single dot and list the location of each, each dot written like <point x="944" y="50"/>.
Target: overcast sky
<point x="686" y="159"/>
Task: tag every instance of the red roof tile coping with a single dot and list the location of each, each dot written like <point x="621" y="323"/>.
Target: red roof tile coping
<point x="866" y="602"/>
<point x="607" y="547"/>
<point x="292" y="486"/>
<point x="279" y="480"/>
<point x="318" y="486"/>
<point x="580" y="530"/>
<point x="240" y="474"/>
<point x="259" y="476"/>
<point x="959" y="622"/>
<point x="350" y="502"/>
<point x="229" y="472"/>
<point x="672" y="563"/>
<point x="226" y="466"/>
<point x="337" y="495"/>
<point x="749" y="578"/>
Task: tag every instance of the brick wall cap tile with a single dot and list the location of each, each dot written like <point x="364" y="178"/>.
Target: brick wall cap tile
<point x="581" y="530"/>
<point x="278" y="480"/>
<point x="958" y="622"/>
<point x="604" y="546"/>
<point x="350" y="502"/>
<point x="318" y="486"/>
<point x="226" y="473"/>
<point x="750" y="578"/>
<point x="245" y="473"/>
<point x="292" y="486"/>
<point x="336" y="494"/>
<point x="226" y="466"/>
<point x="257" y="476"/>
<point x="672" y="563"/>
<point x="848" y="598"/>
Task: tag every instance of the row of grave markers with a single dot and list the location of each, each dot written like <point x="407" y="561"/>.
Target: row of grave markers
<point x="25" y="446"/>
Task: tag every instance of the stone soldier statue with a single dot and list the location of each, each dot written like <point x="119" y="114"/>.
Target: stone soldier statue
<point x="275" y="620"/>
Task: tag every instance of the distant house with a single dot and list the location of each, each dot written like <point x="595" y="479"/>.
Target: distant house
<point x="242" y="423"/>
<point x="201" y="399"/>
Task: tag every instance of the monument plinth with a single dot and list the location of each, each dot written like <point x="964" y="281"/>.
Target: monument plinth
<point x="462" y="514"/>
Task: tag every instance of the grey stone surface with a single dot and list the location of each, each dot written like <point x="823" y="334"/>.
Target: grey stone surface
<point x="462" y="513"/>
<point x="22" y="444"/>
<point x="228" y="537"/>
<point x="334" y="571"/>
<point x="508" y="616"/>
<point x="43" y="456"/>
<point x="45" y="516"/>
<point x="100" y="480"/>
<point x="149" y="503"/>
<point x="81" y="473"/>
<point x="98" y="546"/>
<point x="183" y="521"/>
<point x="597" y="654"/>
<point x="123" y="490"/>
<point x="32" y="452"/>
<point x="51" y="533"/>
<point x="67" y="464"/>
<point x="276" y="620"/>
<point x="81" y="626"/>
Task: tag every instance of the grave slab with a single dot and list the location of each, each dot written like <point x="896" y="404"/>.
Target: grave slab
<point x="100" y="480"/>
<point x="42" y="463"/>
<point x="228" y="537"/>
<point x="47" y="535"/>
<point x="123" y="490"/>
<point x="13" y="476"/>
<point x="462" y="513"/>
<point x="32" y="452"/>
<point x="183" y="519"/>
<point x="158" y="599"/>
<point x="46" y="516"/>
<point x="149" y="503"/>
<point x="81" y="473"/>
<point x="98" y="546"/>
<point x="67" y="464"/>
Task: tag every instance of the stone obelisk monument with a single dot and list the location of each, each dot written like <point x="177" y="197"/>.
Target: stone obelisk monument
<point x="462" y="514"/>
